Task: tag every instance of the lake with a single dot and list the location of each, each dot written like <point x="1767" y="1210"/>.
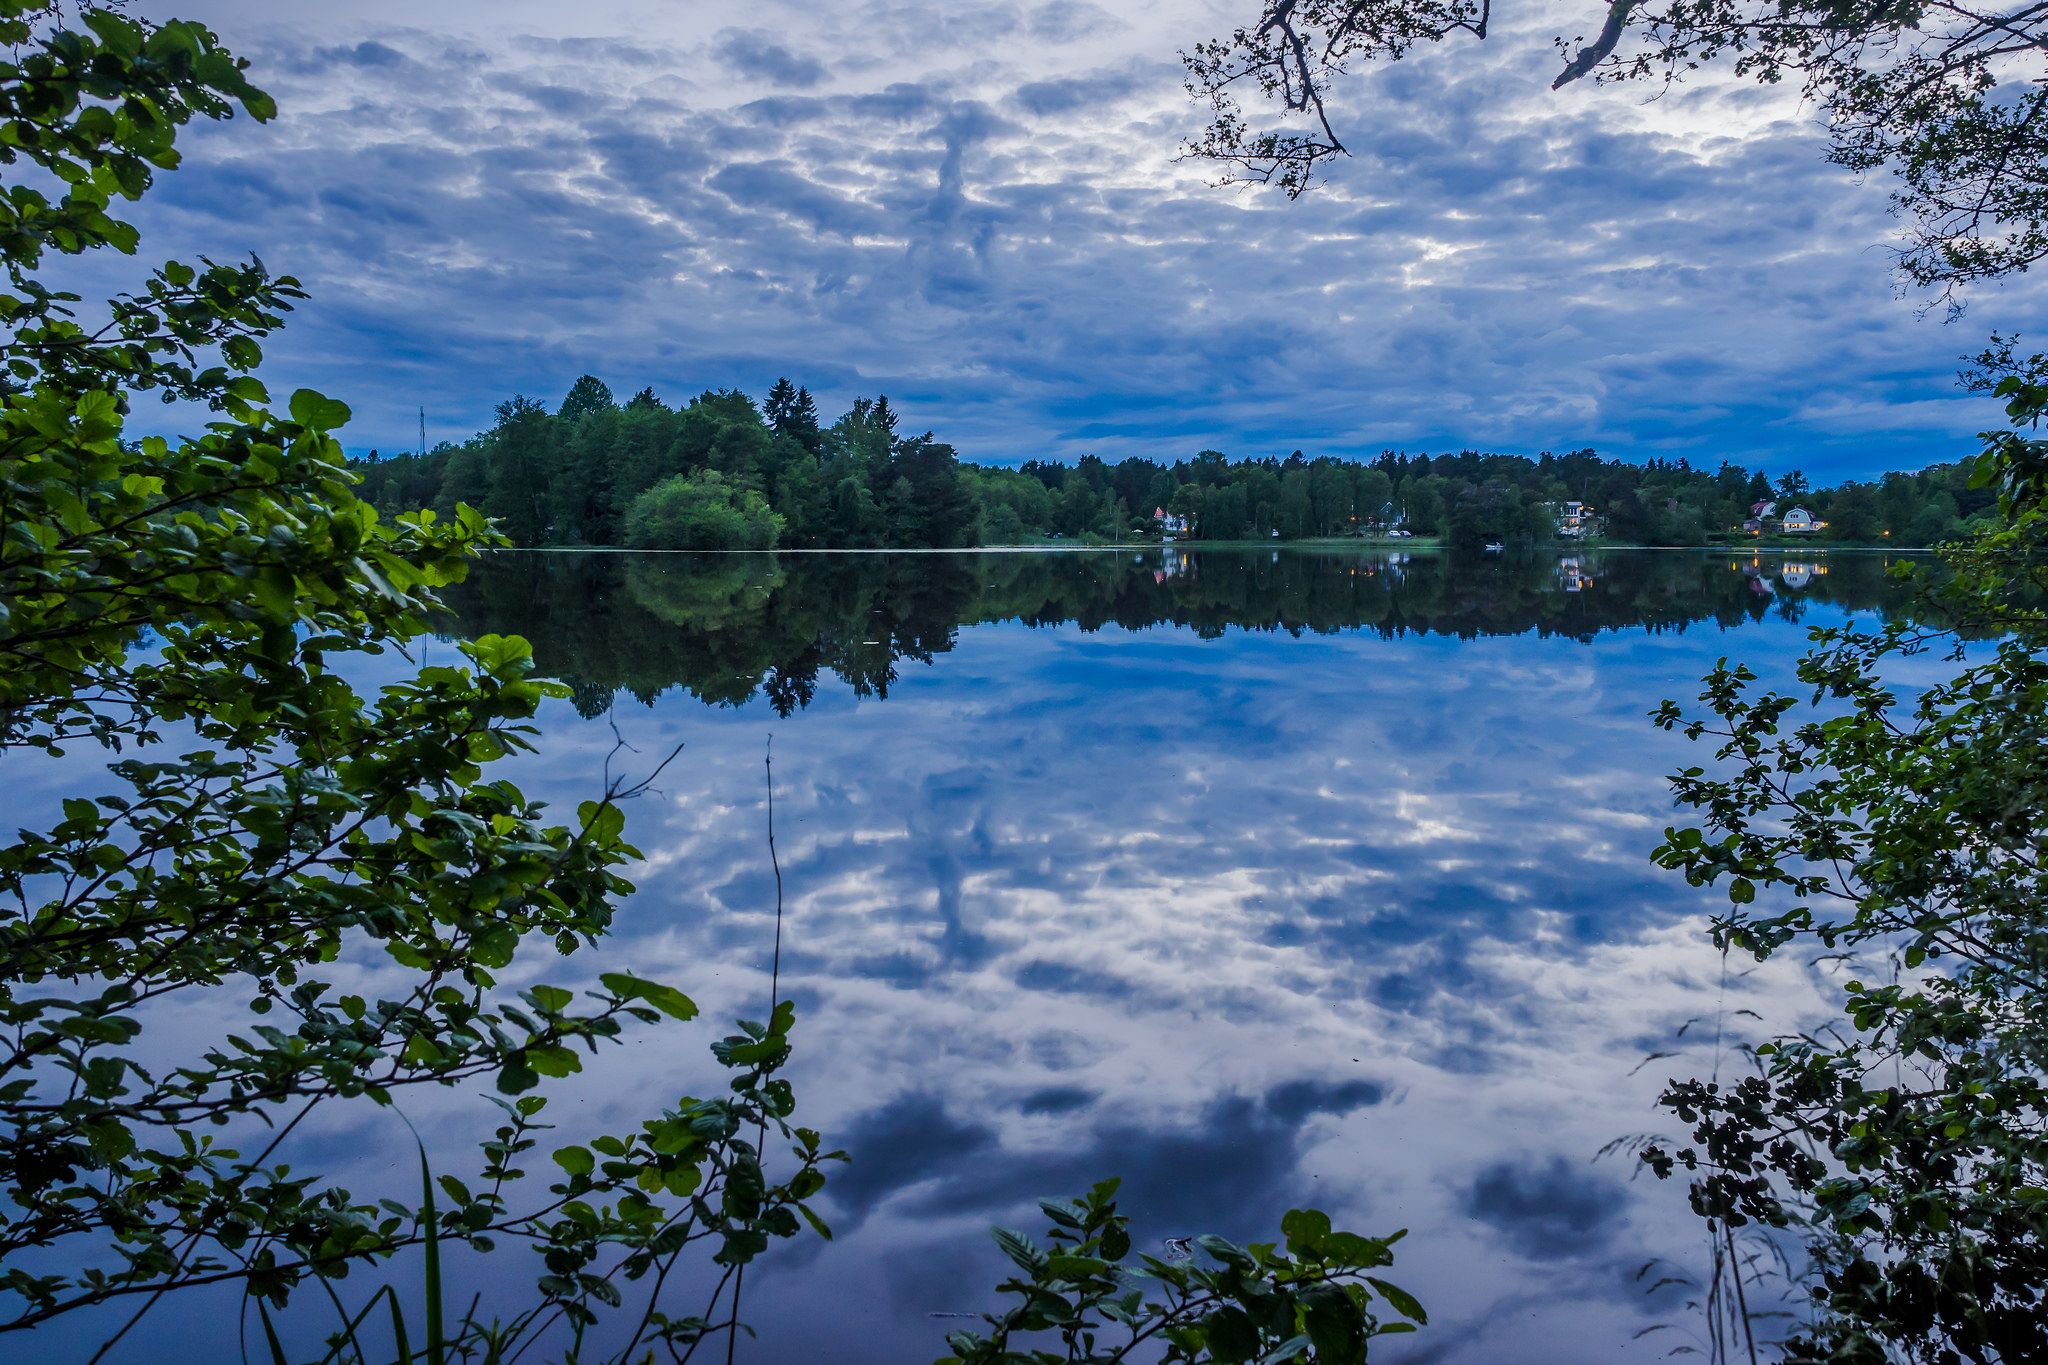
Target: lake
<point x="1258" y="878"/>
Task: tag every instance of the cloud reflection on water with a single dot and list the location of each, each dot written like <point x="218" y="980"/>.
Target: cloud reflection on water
<point x="1361" y="918"/>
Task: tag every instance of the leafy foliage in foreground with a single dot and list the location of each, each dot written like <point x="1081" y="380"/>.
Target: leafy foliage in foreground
<point x="1907" y="830"/>
<point x="174" y="621"/>
<point x="1311" y="1301"/>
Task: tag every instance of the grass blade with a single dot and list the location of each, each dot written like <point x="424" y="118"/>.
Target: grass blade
<point x="277" y="1355"/>
<point x="437" y="1348"/>
<point x="398" y="1331"/>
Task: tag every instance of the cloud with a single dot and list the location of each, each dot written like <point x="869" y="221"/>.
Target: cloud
<point x="1556" y="1211"/>
<point x="757" y="55"/>
<point x="371" y="54"/>
<point x="1217" y="1172"/>
<point x="1067" y="21"/>
<point x="977" y="210"/>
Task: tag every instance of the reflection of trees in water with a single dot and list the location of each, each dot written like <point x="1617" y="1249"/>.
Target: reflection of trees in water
<point x="729" y="627"/>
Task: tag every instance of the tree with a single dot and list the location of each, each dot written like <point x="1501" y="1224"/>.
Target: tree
<point x="791" y="412"/>
<point x="1906" y="836"/>
<point x="181" y="616"/>
<point x="1944" y="95"/>
<point x="1001" y="525"/>
<point x="1372" y="490"/>
<point x="1934" y="523"/>
<point x="866" y="435"/>
<point x="521" y="452"/>
<point x="586" y="396"/>
<point x="930" y="504"/>
<point x="1853" y="513"/>
<point x="855" y="520"/>
<point x="701" y="511"/>
<point x="1421" y="499"/>
<point x="582" y="500"/>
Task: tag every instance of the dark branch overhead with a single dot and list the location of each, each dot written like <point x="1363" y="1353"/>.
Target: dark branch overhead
<point x="1951" y="97"/>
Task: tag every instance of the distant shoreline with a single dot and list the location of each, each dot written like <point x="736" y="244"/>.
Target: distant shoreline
<point x="1429" y="544"/>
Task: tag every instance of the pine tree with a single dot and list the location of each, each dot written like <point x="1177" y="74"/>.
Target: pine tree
<point x="781" y="401"/>
<point x="803" y="422"/>
<point x="587" y="395"/>
<point x="793" y="413"/>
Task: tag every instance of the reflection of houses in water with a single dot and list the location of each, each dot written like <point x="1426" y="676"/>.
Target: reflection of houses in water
<point x="1753" y="570"/>
<point x="1393" y="568"/>
<point x="1573" y="574"/>
<point x="1793" y="573"/>
<point x="1172" y="564"/>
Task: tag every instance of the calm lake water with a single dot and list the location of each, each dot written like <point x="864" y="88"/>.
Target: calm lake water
<point x="1260" y="879"/>
<point x="1257" y="878"/>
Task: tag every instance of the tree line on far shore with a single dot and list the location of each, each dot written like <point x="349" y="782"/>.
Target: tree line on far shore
<point x="722" y="472"/>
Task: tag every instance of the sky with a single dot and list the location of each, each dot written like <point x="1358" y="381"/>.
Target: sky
<point x="975" y="207"/>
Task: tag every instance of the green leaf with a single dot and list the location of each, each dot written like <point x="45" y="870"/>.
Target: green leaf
<point x="1020" y="1249"/>
<point x="1232" y="1337"/>
<point x="1404" y="1302"/>
<point x="667" y="999"/>
<point x="317" y="411"/>
<point x="553" y="1060"/>
<point x="1304" y="1229"/>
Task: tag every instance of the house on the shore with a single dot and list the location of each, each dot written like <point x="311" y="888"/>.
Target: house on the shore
<point x="1167" y="524"/>
<point x="1798" y="521"/>
<point x="1574" y="520"/>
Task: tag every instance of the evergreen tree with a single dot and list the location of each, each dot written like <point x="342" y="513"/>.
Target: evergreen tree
<point x="792" y="412"/>
<point x="519" y="449"/>
<point x="804" y="422"/>
<point x="780" y="405"/>
<point x="586" y="396"/>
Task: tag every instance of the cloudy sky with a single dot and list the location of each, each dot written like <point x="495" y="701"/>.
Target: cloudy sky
<point x="973" y="206"/>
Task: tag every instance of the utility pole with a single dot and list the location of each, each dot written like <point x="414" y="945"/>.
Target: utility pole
<point x="423" y="429"/>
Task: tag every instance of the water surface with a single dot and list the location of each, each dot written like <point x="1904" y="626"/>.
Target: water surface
<point x="1257" y="878"/>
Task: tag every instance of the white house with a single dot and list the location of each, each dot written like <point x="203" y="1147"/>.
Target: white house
<point x="1168" y="523"/>
<point x="1799" y="521"/>
<point x="1574" y="519"/>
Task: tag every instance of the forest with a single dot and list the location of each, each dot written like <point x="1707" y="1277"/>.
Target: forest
<point x="722" y="472"/>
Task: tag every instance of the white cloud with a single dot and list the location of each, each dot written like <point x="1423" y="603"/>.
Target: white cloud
<point x="975" y="207"/>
